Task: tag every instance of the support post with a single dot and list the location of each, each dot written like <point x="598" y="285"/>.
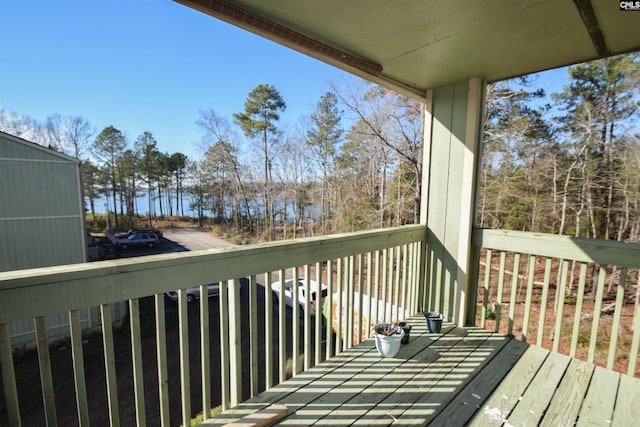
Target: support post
<point x="452" y="131"/>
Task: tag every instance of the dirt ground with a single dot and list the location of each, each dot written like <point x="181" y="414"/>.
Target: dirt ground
<point x="605" y="325"/>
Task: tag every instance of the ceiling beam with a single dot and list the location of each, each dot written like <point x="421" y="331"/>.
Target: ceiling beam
<point x="590" y="20"/>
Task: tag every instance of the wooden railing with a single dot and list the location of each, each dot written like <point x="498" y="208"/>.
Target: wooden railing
<point x="574" y="296"/>
<point x="238" y="343"/>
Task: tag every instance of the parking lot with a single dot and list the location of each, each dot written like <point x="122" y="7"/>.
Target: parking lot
<point x="173" y="240"/>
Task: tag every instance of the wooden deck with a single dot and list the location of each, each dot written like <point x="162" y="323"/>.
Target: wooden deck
<point x="463" y="376"/>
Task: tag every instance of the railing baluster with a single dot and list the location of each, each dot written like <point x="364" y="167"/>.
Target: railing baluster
<point x="527" y="303"/>
<point x="9" y="377"/>
<point x="576" y="318"/>
<point x="340" y="285"/>
<point x="376" y="290"/>
<point x="282" y="330"/>
<point x="635" y="341"/>
<point x="514" y="291"/>
<point x="560" y="290"/>
<point x="404" y="284"/>
<point x="110" y="365"/>
<point x="596" y="313"/>
<point x="235" y="351"/>
<point x="388" y="313"/>
<point x="253" y="334"/>
<point x="330" y="311"/>
<point x="307" y="316"/>
<point x="268" y="332"/>
<point x="360" y="302"/>
<point x="485" y="298"/>
<point x="397" y="285"/>
<point x="44" y="361"/>
<point x="436" y="296"/>
<point x="295" y="322"/>
<point x="205" y="361"/>
<point x="136" y="350"/>
<point x="503" y="256"/>
<point x="161" y="355"/>
<point x="543" y="301"/>
<point x="185" y="378"/>
<point x="418" y="277"/>
<point x="615" y="327"/>
<point x="383" y="274"/>
<point x="409" y="282"/>
<point x="369" y="293"/>
<point x="344" y="298"/>
<point x="78" y="368"/>
<point x="319" y="314"/>
<point x="350" y="302"/>
<point x="421" y="276"/>
<point x="224" y="345"/>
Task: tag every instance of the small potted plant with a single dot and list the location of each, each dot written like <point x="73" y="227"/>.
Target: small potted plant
<point x="388" y="337"/>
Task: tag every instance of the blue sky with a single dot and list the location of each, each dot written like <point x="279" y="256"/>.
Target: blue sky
<point x="143" y="65"/>
<point x="149" y="65"/>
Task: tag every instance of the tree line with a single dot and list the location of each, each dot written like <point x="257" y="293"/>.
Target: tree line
<point x="567" y="164"/>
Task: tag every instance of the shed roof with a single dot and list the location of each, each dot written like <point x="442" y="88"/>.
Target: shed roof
<point x="412" y="46"/>
<point x="27" y="149"/>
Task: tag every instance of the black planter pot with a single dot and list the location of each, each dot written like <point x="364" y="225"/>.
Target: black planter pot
<point x="407" y="330"/>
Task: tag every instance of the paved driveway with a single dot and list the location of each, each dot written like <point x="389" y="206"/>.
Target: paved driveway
<point x="194" y="240"/>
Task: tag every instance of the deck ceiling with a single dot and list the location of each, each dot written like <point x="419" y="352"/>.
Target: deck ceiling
<point x="412" y="46"/>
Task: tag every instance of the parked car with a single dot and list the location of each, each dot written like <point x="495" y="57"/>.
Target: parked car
<point x="133" y="231"/>
<point x="94" y="250"/>
<point x="138" y="240"/>
<point x="194" y="292"/>
<point x="289" y="288"/>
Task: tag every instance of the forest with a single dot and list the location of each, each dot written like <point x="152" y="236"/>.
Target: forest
<point x="564" y="163"/>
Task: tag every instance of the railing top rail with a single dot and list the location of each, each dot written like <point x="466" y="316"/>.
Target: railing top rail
<point x="29" y="293"/>
<point x="605" y="252"/>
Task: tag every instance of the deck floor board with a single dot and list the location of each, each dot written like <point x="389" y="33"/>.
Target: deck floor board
<point x="463" y="376"/>
<point x="599" y="402"/>
<point x="462" y="408"/>
<point x="496" y="409"/>
<point x="537" y="397"/>
<point x="627" y="410"/>
<point x="564" y="408"/>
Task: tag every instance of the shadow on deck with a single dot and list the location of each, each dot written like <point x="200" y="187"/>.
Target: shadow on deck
<point x="461" y="376"/>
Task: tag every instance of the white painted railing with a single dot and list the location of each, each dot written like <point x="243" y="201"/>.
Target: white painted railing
<point x="241" y="340"/>
<point x="574" y="296"/>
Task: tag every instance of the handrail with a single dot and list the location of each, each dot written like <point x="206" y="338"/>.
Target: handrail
<point x="622" y="254"/>
<point x="70" y="287"/>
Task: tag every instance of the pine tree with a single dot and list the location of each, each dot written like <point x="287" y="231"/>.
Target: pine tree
<point x="258" y="122"/>
<point x="323" y="137"/>
<point x="108" y="148"/>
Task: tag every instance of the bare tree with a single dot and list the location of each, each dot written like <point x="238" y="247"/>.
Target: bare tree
<point x="69" y="134"/>
<point x="221" y="144"/>
<point x="395" y="120"/>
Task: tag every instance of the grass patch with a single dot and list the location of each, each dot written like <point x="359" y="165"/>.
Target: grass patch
<point x="199" y="419"/>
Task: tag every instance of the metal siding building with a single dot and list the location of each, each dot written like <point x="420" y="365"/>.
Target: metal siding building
<point x="41" y="219"/>
<point x="41" y="206"/>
